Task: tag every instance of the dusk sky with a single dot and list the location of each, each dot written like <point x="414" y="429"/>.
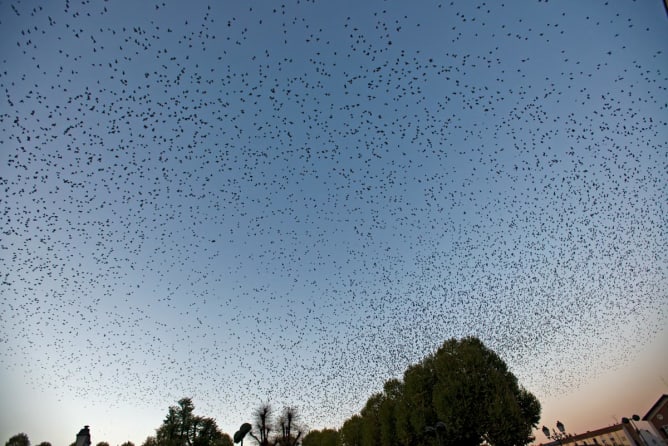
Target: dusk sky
<point x="292" y="201"/>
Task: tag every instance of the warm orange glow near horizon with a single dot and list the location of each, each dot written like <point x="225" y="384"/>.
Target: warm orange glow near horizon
<point x="623" y="392"/>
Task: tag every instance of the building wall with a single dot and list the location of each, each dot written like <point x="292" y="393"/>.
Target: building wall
<point x="660" y="421"/>
<point x="612" y="436"/>
<point x="651" y="439"/>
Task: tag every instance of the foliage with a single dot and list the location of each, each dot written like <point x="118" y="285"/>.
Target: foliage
<point x="461" y="395"/>
<point x="18" y="440"/>
<point x="371" y="428"/>
<point x="102" y="443"/>
<point x="44" y="443"/>
<point x="325" y="437"/>
<point x="128" y="443"/>
<point x="226" y="440"/>
<point x="351" y="432"/>
<point x="388" y="409"/>
<point x="181" y="427"/>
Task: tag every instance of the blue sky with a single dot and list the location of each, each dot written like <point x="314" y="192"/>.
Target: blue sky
<point x="293" y="201"/>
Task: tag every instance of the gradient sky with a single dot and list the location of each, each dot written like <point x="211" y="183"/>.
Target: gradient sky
<point x="293" y="201"/>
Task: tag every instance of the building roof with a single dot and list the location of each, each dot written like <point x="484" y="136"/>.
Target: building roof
<point x="588" y="434"/>
<point x="594" y="433"/>
<point x="655" y="407"/>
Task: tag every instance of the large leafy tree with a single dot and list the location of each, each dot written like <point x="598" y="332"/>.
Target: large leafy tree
<point x="350" y="433"/>
<point x="325" y="437"/>
<point x="150" y="441"/>
<point x="371" y="425"/>
<point x="462" y="395"/>
<point x="419" y="382"/>
<point x="478" y="398"/>
<point x="181" y="427"/>
<point x="388" y="409"/>
<point x="18" y="440"/>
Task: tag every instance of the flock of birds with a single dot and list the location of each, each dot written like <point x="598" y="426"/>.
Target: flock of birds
<point x="293" y="201"/>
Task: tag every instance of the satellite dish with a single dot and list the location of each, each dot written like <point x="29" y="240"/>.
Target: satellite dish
<point x="241" y="433"/>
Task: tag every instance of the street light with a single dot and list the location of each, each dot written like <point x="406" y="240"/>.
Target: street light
<point x="434" y="429"/>
<point x="630" y="421"/>
<point x="558" y="434"/>
<point x="83" y="437"/>
<point x="241" y="433"/>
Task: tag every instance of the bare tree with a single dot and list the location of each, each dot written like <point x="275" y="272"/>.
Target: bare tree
<point x="263" y="425"/>
<point x="288" y="422"/>
<point x="284" y="431"/>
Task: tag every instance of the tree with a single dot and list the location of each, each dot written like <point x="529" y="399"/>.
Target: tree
<point x="209" y="435"/>
<point x="325" y="437"/>
<point x="102" y="443"/>
<point x="387" y="412"/>
<point x="128" y="443"/>
<point x="350" y="433"/>
<point x="44" y="443"/>
<point x="370" y="417"/>
<point x="181" y="427"/>
<point x="461" y="395"/>
<point x="419" y="381"/>
<point x="18" y="440"/>
<point x="284" y="431"/>
<point x="287" y="423"/>
<point x="262" y="417"/>
<point x="477" y="397"/>
<point x="169" y="434"/>
<point x="226" y="440"/>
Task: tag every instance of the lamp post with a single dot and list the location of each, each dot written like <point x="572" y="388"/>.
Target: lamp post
<point x="434" y="429"/>
<point x="558" y="435"/>
<point x="241" y="433"/>
<point x="630" y="421"/>
<point x="83" y="437"/>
